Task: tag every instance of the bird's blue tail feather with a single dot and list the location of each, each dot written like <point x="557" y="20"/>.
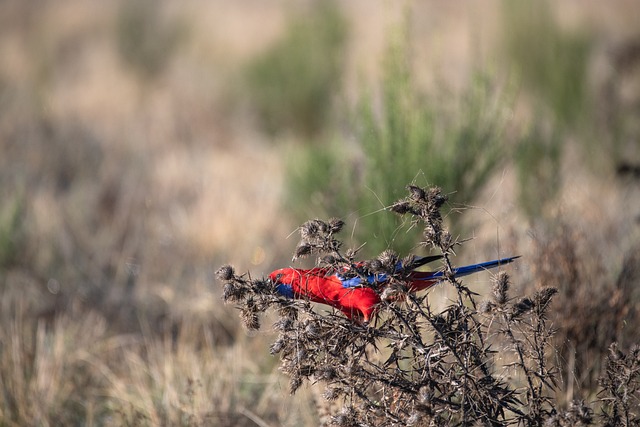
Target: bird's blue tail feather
<point x="473" y="268"/>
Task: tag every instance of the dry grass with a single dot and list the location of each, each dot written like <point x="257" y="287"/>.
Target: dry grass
<point x="122" y="187"/>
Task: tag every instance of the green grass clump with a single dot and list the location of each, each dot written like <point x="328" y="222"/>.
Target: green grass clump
<point x="292" y="85"/>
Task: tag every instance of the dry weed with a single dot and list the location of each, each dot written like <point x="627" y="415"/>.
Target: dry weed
<point x="412" y="366"/>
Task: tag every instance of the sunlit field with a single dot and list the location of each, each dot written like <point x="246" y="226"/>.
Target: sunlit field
<point x="143" y="145"/>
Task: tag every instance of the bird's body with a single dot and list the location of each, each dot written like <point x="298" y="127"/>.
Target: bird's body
<point x="358" y="296"/>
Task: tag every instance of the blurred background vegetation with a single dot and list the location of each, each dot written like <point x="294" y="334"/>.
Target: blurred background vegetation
<point x="145" y="143"/>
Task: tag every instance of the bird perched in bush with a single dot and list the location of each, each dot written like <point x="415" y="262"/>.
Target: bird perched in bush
<point x="357" y="291"/>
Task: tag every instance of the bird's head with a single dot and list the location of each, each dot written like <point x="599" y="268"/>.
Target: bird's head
<point x="281" y="276"/>
<point x="281" y="279"/>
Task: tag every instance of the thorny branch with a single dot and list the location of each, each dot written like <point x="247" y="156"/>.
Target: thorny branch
<point x="413" y="366"/>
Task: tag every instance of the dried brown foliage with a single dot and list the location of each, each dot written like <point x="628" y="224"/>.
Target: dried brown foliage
<point x="621" y="388"/>
<point x="594" y="307"/>
<point x="412" y="366"/>
<point x="490" y="363"/>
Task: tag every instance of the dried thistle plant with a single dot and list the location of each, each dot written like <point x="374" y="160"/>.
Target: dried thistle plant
<point x="620" y="394"/>
<point x="412" y="365"/>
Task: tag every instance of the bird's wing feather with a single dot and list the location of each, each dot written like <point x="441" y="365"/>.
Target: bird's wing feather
<point x="420" y="261"/>
<point x="358" y="281"/>
<point x="466" y="270"/>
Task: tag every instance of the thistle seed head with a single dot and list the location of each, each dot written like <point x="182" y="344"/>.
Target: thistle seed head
<point x="302" y="250"/>
<point x="310" y="229"/>
<point x="543" y="298"/>
<point x="436" y="198"/>
<point x="233" y="292"/>
<point x="375" y="265"/>
<point x="283" y="324"/>
<point x="388" y="259"/>
<point x="322" y="226"/>
<point x="401" y="207"/>
<point x="225" y="273"/>
<point x="416" y="193"/>
<point x="487" y="307"/>
<point x="335" y="225"/>
<point x="500" y="288"/>
<point x="250" y="319"/>
<point x="614" y="352"/>
<point x="521" y="307"/>
<point x="332" y="393"/>
<point x="277" y="346"/>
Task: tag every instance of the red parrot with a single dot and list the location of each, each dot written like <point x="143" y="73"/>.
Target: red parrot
<point x="358" y="297"/>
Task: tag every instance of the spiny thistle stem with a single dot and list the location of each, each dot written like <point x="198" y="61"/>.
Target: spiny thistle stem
<point x="410" y="365"/>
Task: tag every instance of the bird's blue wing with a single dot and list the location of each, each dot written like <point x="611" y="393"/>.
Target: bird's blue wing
<point x="354" y="282"/>
<point x="285" y="290"/>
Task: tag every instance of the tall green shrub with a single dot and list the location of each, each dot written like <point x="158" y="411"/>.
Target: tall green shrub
<point x="292" y="84"/>
<point x="413" y="137"/>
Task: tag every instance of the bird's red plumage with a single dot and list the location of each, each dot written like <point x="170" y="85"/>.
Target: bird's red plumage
<point x="318" y="285"/>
